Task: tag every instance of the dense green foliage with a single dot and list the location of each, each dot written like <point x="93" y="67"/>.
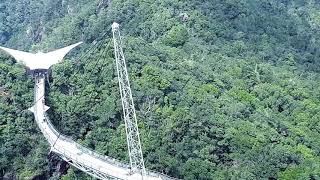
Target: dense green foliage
<point x="224" y="89"/>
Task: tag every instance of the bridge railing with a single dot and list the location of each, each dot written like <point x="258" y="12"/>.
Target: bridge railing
<point x="104" y="158"/>
<point x="84" y="149"/>
<point x="42" y="128"/>
<point x="62" y="150"/>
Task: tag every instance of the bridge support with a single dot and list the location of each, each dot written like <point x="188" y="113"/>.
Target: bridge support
<point x="132" y="131"/>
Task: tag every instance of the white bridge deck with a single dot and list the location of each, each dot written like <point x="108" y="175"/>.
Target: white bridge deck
<point x="99" y="166"/>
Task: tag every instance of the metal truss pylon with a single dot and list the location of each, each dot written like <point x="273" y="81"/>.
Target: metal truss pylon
<point x="132" y="131"/>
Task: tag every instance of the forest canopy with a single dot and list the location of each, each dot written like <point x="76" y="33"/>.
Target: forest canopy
<point x="224" y="89"/>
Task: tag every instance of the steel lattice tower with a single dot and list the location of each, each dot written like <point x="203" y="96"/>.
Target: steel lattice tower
<point x="132" y="131"/>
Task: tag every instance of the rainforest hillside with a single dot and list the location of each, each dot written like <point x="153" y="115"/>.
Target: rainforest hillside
<point x="224" y="89"/>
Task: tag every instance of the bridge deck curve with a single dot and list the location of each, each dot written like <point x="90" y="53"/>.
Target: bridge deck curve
<point x="99" y="166"/>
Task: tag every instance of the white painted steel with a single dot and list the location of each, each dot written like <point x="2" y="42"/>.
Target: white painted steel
<point x="40" y="60"/>
<point x="99" y="166"/>
<point x="129" y="114"/>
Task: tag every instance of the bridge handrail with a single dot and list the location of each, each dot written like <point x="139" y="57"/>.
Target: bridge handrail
<point x="83" y="149"/>
<point x="69" y="139"/>
<point x="110" y="160"/>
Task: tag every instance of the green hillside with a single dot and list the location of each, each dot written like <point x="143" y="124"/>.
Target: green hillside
<point x="224" y="89"/>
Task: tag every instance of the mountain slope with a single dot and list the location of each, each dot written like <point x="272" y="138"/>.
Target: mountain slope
<point x="223" y="89"/>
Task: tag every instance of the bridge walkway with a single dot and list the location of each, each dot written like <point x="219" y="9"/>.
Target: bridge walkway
<point x="99" y="166"/>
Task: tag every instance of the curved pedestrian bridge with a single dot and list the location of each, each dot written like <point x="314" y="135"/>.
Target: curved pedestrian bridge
<point x="99" y="166"/>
